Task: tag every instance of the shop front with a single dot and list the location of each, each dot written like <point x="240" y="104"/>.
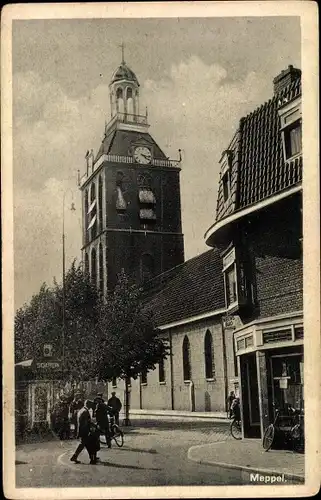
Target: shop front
<point x="271" y="370"/>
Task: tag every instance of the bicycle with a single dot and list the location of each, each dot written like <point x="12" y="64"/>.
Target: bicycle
<point x="116" y="434"/>
<point x="236" y="428"/>
<point x="289" y="426"/>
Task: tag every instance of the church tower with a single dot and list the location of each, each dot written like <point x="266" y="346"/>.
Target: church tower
<point x="131" y="208"/>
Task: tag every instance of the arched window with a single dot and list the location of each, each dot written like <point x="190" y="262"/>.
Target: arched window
<point x="146" y="267"/>
<point x="93" y="272"/>
<point x="86" y="263"/>
<point x="100" y="203"/>
<point x="86" y="216"/>
<point x="120" y="100"/>
<point x="129" y="101"/>
<point x="101" y="269"/>
<point x="187" y="371"/>
<point x="208" y="355"/>
<point x="92" y="212"/>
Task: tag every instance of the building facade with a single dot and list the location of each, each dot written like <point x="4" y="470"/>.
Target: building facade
<point x="258" y="230"/>
<point x="130" y="196"/>
<point x="188" y="306"/>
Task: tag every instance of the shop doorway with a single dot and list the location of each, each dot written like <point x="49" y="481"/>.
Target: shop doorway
<point x="250" y="396"/>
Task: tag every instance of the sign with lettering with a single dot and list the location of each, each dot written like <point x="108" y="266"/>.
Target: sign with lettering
<point x="48" y="365"/>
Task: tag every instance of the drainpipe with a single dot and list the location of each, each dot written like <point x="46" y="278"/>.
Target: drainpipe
<point x="192" y="395"/>
<point x="171" y="365"/>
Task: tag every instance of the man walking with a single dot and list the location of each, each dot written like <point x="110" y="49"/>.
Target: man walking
<point x="101" y="415"/>
<point x="115" y="403"/>
<point x="83" y="426"/>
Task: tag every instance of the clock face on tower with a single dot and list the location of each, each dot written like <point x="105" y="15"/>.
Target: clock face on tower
<point x="142" y="154"/>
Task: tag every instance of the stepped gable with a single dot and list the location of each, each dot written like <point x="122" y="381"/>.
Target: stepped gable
<point x="193" y="288"/>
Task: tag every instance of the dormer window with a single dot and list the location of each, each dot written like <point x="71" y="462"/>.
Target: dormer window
<point x="226" y="185"/>
<point x="291" y="128"/>
<point x="238" y="288"/>
<point x="293" y="140"/>
<point x="226" y="166"/>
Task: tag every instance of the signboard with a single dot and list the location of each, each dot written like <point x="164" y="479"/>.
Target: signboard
<point x="51" y="365"/>
<point x="229" y="322"/>
<point x="283" y="383"/>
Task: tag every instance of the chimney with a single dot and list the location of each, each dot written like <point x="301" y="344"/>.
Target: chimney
<point x="286" y="77"/>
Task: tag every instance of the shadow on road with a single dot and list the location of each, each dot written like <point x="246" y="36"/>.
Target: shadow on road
<point x="122" y="466"/>
<point x="141" y="450"/>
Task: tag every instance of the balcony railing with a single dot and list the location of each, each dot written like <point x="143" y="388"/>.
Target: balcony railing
<point x="127" y="118"/>
<point x="156" y="162"/>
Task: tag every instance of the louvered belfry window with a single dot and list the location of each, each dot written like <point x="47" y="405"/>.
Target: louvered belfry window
<point x="147" y="199"/>
<point x="121" y="204"/>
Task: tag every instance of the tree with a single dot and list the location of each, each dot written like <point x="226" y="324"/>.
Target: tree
<point x="130" y="343"/>
<point x="41" y="321"/>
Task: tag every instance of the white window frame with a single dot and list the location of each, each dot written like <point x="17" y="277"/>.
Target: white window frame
<point x="290" y="115"/>
<point x="226" y="170"/>
<point x="229" y="261"/>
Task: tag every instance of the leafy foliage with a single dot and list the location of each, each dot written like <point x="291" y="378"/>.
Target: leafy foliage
<point x="41" y="321"/>
<point x="130" y="342"/>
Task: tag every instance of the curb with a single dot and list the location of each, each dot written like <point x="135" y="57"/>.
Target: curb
<point x="253" y="470"/>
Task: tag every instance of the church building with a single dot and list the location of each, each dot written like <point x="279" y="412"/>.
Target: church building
<point x="130" y="196"/>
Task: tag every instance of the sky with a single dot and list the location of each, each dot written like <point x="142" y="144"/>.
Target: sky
<point x="198" y="77"/>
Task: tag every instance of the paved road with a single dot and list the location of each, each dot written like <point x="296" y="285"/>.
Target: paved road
<point x="154" y="454"/>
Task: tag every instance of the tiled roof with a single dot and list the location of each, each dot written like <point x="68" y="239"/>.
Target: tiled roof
<point x="259" y="169"/>
<point x="192" y="288"/>
<point x="119" y="142"/>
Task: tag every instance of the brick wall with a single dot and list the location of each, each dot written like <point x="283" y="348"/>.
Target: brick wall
<point x="273" y="241"/>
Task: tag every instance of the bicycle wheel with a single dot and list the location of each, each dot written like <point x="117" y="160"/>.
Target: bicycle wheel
<point x="268" y="437"/>
<point x="236" y="429"/>
<point x="118" y="435"/>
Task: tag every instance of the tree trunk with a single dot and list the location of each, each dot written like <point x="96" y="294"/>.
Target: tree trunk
<point x="126" y="421"/>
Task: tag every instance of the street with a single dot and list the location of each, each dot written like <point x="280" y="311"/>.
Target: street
<point x="154" y="454"/>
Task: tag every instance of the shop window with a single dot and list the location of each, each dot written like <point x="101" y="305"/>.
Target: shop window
<point x="209" y="356"/>
<point x="143" y="377"/>
<point x="161" y="371"/>
<point x="187" y="371"/>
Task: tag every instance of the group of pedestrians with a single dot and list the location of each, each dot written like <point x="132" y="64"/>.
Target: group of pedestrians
<point x="93" y="419"/>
